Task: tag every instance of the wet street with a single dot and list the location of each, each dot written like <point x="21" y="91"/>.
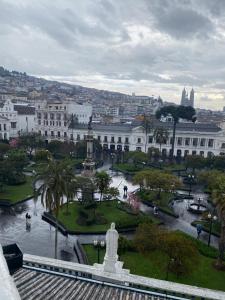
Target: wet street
<point x="39" y="239"/>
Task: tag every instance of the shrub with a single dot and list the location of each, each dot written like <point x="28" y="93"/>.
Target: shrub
<point x="148" y="237"/>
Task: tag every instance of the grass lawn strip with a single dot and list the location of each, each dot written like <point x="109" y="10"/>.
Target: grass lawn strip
<point x="16" y="193"/>
<point x="108" y="209"/>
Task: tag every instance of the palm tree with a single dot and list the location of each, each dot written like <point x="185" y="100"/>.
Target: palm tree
<point x="102" y="181"/>
<point x="52" y="190"/>
<point x="177" y="113"/>
<point x="71" y="185"/>
<point x="161" y="136"/>
<point x="148" y="125"/>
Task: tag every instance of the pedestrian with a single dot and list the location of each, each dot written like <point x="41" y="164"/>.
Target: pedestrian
<point x="199" y="230"/>
<point x="155" y="209"/>
<point x="125" y="191"/>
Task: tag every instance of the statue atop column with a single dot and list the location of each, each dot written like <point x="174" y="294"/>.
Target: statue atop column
<point x="90" y="123"/>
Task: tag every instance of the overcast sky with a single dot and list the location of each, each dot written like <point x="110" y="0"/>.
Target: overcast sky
<point x="150" y="47"/>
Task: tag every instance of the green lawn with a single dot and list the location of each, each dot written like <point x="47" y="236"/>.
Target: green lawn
<point x="15" y="193"/>
<point x="109" y="209"/>
<point x="163" y="203"/>
<point x="155" y="263"/>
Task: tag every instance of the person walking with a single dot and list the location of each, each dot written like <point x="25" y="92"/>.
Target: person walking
<point x="199" y="230"/>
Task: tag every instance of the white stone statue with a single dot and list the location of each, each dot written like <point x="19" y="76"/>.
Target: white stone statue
<point x="111" y="256"/>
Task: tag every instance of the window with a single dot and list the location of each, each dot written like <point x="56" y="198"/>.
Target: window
<point x="171" y="141"/>
<point x="105" y="138"/>
<point x="202" y="153"/>
<point x="13" y="125"/>
<point x="4" y="126"/>
<point x="139" y="141"/>
<point x="46" y="122"/>
<point x="195" y="142"/>
<point x="52" y="133"/>
<point x="45" y="116"/>
<point x="210" y="143"/>
<point x="57" y="107"/>
<point x="58" y="116"/>
<point x="71" y="137"/>
<point x="202" y="143"/>
<point x="65" y="117"/>
<point x="187" y="141"/>
<point x="58" y="134"/>
<point x="46" y="133"/>
<point x="119" y="139"/>
<point x="99" y="138"/>
<point x="65" y="124"/>
<point x="126" y="141"/>
<point x="150" y="139"/>
<point x="39" y="115"/>
<point x="112" y="139"/>
<point x="138" y="148"/>
<point x="78" y="137"/>
<point x="52" y="116"/>
<point x="65" y="134"/>
<point x="179" y="141"/>
<point x="39" y="122"/>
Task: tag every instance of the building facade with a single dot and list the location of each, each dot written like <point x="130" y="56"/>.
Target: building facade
<point x="15" y="118"/>
<point x="191" y="139"/>
<point x="54" y="117"/>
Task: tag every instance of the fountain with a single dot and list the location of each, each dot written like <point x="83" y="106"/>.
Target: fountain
<point x="197" y="207"/>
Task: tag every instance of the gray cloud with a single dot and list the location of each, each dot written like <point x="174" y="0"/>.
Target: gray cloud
<point x="151" y="47"/>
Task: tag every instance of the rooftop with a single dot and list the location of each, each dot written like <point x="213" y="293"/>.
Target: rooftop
<point x="200" y="127"/>
<point x="24" y="109"/>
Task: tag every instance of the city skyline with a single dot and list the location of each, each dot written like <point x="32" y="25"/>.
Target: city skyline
<point x="146" y="47"/>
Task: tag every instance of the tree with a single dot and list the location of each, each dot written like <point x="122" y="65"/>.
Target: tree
<point x="71" y="184"/>
<point x="215" y="181"/>
<point x="31" y="141"/>
<point x="182" y="253"/>
<point x="157" y="181"/>
<point x="148" y="237"/>
<point x="195" y="162"/>
<point x="17" y="158"/>
<point x="4" y="148"/>
<point x="161" y="136"/>
<point x="102" y="181"/>
<point x="52" y="190"/>
<point x="148" y="126"/>
<point x="177" y="113"/>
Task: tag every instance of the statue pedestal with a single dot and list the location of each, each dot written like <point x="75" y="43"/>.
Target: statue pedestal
<point x="112" y="267"/>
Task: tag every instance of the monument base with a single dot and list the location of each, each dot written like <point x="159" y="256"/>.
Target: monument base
<point x="116" y="268"/>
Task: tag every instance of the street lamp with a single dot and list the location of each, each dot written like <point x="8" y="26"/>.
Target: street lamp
<point x="191" y="178"/>
<point x="211" y="218"/>
<point x="99" y="244"/>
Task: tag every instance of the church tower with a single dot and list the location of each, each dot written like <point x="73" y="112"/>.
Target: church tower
<point x="192" y="97"/>
<point x="183" y="97"/>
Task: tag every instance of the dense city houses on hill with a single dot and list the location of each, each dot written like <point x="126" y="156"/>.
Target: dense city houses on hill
<point x="61" y="111"/>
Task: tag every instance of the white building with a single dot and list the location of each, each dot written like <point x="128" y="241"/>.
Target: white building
<point x="54" y="117"/>
<point x="191" y="139"/>
<point x="16" y="118"/>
